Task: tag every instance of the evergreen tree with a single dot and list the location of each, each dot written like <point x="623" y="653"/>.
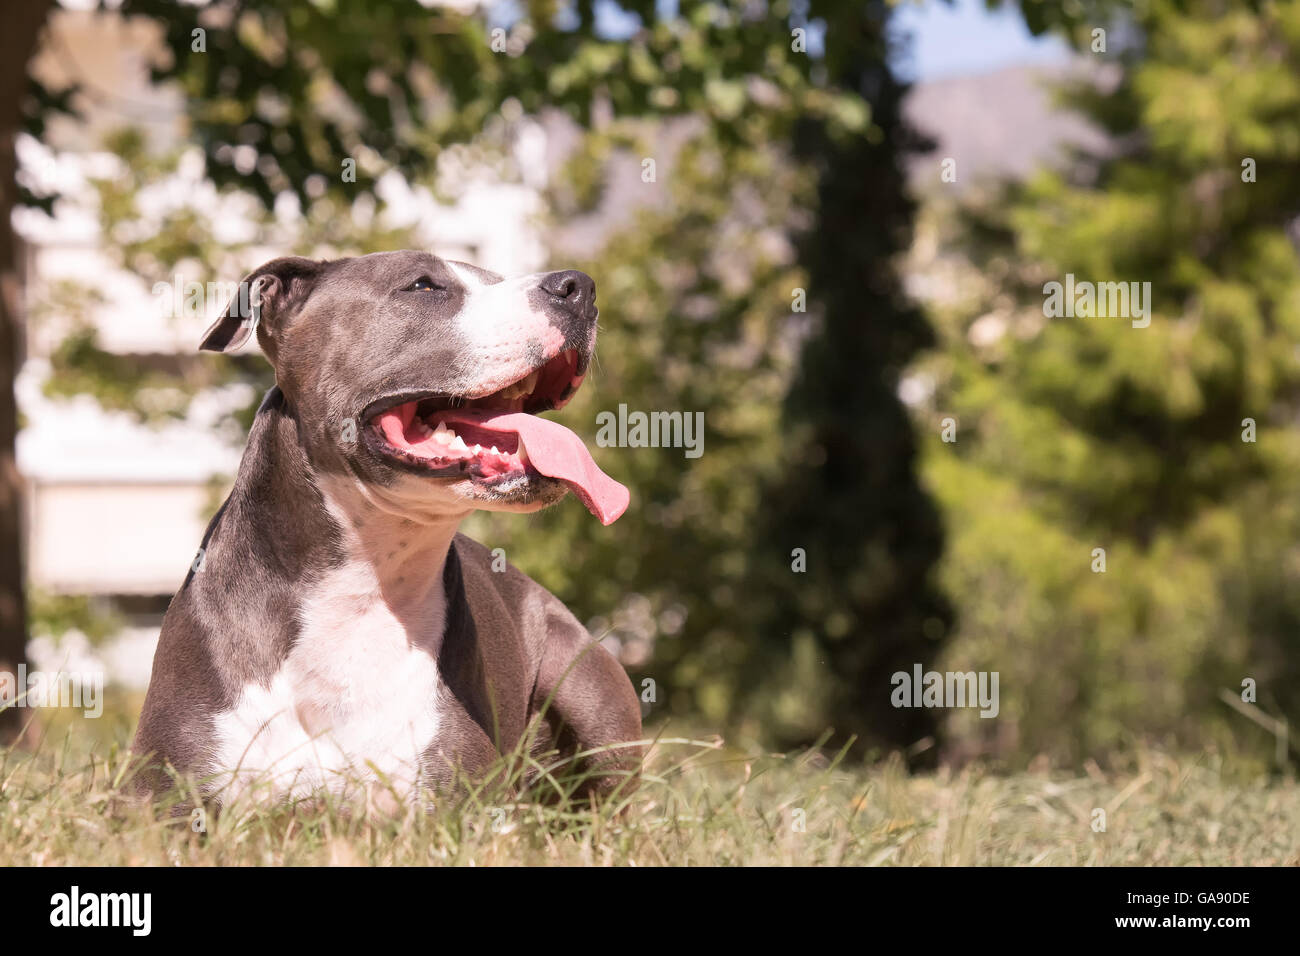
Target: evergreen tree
<point x="844" y="593"/>
<point x="1123" y="495"/>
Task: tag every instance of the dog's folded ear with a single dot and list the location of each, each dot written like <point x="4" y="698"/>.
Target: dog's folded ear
<point x="266" y="296"/>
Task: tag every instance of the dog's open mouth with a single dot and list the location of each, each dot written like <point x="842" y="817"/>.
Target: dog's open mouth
<point x="498" y="437"/>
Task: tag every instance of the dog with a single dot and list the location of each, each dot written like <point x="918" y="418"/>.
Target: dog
<point x="335" y="626"/>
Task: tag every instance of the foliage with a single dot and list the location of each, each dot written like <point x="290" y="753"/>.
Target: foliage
<point x="828" y="638"/>
<point x="53" y="615"/>
<point x="1084" y="433"/>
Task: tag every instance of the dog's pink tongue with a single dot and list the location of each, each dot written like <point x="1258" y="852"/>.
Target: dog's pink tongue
<point x="558" y="453"/>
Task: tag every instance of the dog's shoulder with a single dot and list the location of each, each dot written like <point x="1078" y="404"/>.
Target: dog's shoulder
<point x="497" y="591"/>
<point x="494" y="586"/>
<point x="487" y="577"/>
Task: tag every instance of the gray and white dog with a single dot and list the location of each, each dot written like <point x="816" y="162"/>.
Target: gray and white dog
<point x="337" y="627"/>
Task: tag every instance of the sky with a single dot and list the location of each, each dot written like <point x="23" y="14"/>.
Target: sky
<point x="949" y="37"/>
<point x="963" y="38"/>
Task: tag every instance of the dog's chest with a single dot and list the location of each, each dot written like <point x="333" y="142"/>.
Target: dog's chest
<point x="354" y="703"/>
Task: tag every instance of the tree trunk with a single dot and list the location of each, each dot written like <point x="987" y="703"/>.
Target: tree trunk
<point x="17" y="45"/>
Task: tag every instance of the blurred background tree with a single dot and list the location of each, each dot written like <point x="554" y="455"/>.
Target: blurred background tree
<point x="1085" y="433"/>
<point x="846" y="501"/>
<point x="17" y="45"/>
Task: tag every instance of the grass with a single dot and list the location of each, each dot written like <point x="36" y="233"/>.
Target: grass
<point x="698" y="804"/>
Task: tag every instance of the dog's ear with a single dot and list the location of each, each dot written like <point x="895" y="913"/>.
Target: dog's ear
<point x="265" y="297"/>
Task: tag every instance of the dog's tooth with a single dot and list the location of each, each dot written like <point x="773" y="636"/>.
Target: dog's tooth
<point x="521" y="388"/>
<point x="442" y="429"/>
<point x="494" y="450"/>
<point x="458" y="444"/>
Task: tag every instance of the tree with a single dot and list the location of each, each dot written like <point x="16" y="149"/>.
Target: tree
<point x="865" y="606"/>
<point x="1122" y="494"/>
<point x="16" y="47"/>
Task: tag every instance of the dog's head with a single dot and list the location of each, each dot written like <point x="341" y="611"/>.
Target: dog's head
<point x="423" y="377"/>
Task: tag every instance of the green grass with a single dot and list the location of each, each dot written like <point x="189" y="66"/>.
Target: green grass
<point x="698" y="804"/>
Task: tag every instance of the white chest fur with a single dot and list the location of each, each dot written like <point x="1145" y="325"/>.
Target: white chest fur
<point x="354" y="703"/>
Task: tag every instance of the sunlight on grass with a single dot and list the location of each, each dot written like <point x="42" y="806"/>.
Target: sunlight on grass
<point x="698" y="803"/>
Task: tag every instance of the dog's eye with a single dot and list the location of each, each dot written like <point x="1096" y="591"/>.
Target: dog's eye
<point x="424" y="284"/>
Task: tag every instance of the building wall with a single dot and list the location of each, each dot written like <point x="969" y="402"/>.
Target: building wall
<point x="119" y="538"/>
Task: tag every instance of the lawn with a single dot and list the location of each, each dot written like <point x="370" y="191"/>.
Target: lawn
<point x="699" y="803"/>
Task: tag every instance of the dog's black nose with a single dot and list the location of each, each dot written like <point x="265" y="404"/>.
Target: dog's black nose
<point x="573" y="291"/>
